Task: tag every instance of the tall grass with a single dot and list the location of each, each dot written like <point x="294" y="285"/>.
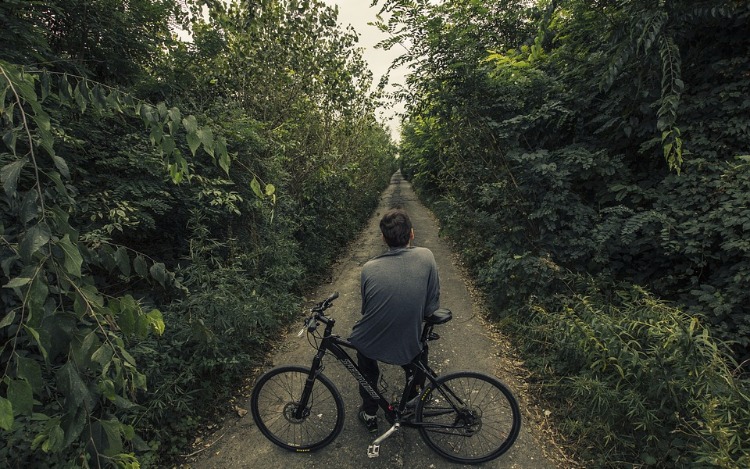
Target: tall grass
<point x="638" y="382"/>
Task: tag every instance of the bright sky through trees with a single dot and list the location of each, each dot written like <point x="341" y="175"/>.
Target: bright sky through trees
<point x="358" y="14"/>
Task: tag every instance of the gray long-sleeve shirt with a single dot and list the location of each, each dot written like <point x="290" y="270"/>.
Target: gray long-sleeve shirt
<point x="399" y="288"/>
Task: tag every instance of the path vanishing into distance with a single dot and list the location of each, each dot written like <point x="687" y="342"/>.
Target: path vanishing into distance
<point x="467" y="343"/>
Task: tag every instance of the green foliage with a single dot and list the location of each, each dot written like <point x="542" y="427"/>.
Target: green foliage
<point x="559" y="157"/>
<point x="704" y="243"/>
<point x="217" y="333"/>
<point x="58" y="325"/>
<point x="596" y="138"/>
<point x="113" y="40"/>
<point x="139" y="275"/>
<point x="658" y="388"/>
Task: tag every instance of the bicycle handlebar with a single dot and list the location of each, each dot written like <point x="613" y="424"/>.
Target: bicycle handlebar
<point x="439" y="316"/>
<point x="311" y="323"/>
<point x="325" y="304"/>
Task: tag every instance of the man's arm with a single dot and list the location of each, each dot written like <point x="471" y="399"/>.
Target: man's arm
<point x="362" y="280"/>
<point x="433" y="290"/>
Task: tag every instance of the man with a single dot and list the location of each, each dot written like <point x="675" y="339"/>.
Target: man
<point x="399" y="289"/>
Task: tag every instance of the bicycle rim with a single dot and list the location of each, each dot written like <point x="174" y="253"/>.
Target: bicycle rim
<point x="276" y="399"/>
<point x="468" y="417"/>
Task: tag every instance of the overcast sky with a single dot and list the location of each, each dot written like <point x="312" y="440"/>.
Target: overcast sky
<point x="358" y="13"/>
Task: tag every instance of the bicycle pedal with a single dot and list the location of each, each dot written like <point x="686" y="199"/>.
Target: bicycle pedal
<point x="373" y="451"/>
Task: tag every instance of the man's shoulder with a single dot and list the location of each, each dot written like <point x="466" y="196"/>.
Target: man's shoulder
<point x="419" y="251"/>
<point x="372" y="262"/>
<point x="416" y="251"/>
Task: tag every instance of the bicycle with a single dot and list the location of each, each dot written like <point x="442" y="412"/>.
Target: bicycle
<point x="466" y="417"/>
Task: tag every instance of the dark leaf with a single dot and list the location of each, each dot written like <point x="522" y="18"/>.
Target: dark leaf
<point x="21" y="396"/>
<point x="9" y="175"/>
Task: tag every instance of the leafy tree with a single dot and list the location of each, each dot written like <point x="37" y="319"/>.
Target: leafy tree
<point x="139" y="274"/>
<point x="64" y="339"/>
<point x="112" y="40"/>
<point x="587" y="138"/>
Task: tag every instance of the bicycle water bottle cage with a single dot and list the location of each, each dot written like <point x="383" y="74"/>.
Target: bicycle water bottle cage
<point x="440" y="316"/>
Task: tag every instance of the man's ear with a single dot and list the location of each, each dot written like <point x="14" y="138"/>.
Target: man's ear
<point x="411" y="235"/>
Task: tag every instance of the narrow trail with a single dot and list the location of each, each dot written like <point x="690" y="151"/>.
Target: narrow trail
<point x="467" y="343"/>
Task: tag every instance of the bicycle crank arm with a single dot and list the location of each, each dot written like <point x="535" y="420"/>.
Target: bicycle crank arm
<point x="373" y="451"/>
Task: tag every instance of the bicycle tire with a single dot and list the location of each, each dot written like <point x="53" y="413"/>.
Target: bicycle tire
<point x="275" y="398"/>
<point x="468" y="417"/>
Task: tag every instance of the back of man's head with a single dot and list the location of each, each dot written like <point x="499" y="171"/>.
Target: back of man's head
<point x="396" y="228"/>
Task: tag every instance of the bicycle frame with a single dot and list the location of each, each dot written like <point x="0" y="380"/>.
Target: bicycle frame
<point x="336" y="345"/>
<point x="448" y="411"/>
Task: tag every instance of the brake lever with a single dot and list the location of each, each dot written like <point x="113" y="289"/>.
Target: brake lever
<point x="304" y="328"/>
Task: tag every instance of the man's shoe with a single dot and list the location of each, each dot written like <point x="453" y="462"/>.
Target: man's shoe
<point x="369" y="421"/>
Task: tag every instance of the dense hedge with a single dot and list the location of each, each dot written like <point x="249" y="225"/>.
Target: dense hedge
<point x="646" y="381"/>
<point x="609" y="141"/>
<point x="164" y="206"/>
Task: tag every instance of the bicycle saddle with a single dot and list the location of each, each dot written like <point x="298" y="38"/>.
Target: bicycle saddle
<point x="440" y="316"/>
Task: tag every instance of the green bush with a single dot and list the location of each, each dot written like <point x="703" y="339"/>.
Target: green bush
<point x="150" y="252"/>
<point x="601" y="139"/>
<point x="639" y="380"/>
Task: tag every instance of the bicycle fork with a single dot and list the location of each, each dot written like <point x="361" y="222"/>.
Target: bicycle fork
<point x="373" y="451"/>
<point x="301" y="410"/>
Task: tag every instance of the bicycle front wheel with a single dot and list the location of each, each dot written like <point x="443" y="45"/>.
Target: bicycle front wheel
<point x="278" y="412"/>
<point x="468" y="417"/>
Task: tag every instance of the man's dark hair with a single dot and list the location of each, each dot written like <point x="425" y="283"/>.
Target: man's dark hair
<point x="396" y="228"/>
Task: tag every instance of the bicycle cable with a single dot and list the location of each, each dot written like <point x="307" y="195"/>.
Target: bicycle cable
<point x="312" y="339"/>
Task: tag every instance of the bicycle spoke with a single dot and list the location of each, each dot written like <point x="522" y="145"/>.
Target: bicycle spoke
<point x="469" y="417"/>
<point x="276" y="409"/>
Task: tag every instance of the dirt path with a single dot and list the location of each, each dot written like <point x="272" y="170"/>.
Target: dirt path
<point x="467" y="343"/>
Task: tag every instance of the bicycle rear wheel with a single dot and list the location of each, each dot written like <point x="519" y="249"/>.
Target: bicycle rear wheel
<point x="276" y="400"/>
<point x="468" y="417"/>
